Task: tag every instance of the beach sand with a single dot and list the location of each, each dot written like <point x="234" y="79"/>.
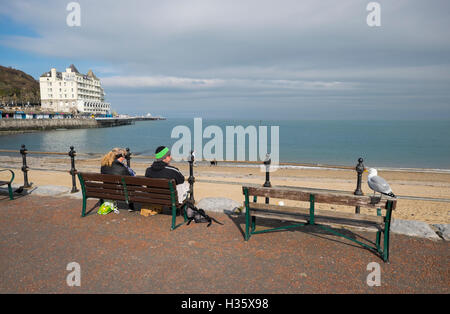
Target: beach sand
<point x="226" y="180"/>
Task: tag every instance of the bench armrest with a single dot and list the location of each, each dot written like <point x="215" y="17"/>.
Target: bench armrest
<point x="12" y="174"/>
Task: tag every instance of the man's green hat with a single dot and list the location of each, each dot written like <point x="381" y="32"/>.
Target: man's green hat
<point x="162" y="152"/>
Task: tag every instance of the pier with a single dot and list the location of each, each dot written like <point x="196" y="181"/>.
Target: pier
<point x="110" y="122"/>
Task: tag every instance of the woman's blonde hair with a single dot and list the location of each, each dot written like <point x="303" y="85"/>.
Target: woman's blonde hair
<point x="109" y="158"/>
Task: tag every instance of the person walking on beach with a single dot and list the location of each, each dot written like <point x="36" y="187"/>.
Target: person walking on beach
<point x="161" y="169"/>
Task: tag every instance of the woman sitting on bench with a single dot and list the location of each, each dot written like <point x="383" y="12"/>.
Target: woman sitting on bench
<point x="114" y="163"/>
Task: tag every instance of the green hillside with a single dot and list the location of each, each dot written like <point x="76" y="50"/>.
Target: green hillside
<point x="18" y="86"/>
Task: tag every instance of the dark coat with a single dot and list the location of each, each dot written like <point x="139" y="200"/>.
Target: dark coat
<point x="116" y="168"/>
<point x="159" y="169"/>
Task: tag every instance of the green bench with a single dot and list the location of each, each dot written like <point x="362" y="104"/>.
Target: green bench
<point x="321" y="218"/>
<point x="9" y="183"/>
<point x="142" y="190"/>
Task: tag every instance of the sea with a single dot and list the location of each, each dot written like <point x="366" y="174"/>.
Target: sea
<point x="389" y="144"/>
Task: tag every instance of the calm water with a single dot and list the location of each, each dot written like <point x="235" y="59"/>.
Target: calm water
<point x="410" y="144"/>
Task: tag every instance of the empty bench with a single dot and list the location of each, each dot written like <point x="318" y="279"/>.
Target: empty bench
<point x="321" y="218"/>
<point x="142" y="190"/>
<point x="8" y="183"/>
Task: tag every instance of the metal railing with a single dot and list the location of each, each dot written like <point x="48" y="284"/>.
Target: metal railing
<point x="359" y="168"/>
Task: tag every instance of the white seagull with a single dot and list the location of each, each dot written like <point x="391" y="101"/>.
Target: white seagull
<point x="378" y="184"/>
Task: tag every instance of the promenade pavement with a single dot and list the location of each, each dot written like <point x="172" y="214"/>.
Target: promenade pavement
<point x="129" y="253"/>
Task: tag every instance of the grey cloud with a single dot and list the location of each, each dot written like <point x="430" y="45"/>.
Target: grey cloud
<point x="320" y="53"/>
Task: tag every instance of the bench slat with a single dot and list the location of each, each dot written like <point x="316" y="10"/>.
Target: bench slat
<point x="90" y="190"/>
<point x="149" y="200"/>
<point x="106" y="178"/>
<point x="149" y="182"/>
<point x="296" y="194"/>
<point x="140" y="188"/>
<point x="145" y="194"/>
<point x="107" y="196"/>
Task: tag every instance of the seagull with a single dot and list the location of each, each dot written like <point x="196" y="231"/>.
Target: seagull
<point x="378" y="184"/>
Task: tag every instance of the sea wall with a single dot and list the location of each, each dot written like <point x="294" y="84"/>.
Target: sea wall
<point x="27" y="125"/>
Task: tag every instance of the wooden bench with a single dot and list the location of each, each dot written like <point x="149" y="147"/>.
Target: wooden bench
<point x="312" y="216"/>
<point x="9" y="183"/>
<point x="143" y="190"/>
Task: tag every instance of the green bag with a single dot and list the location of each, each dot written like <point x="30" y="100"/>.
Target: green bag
<point x="107" y="207"/>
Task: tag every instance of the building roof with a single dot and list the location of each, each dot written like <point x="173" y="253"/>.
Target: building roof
<point x="74" y="69"/>
<point x="91" y="74"/>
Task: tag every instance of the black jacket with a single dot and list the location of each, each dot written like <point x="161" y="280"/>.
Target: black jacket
<point x="116" y="168"/>
<point x="159" y="169"/>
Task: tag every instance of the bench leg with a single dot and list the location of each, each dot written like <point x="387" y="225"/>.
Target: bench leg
<point x="386" y="246"/>
<point x="378" y="241"/>
<point x="174" y="217"/>
<point x="387" y="227"/>
<point x="10" y="191"/>
<point x="83" y="211"/>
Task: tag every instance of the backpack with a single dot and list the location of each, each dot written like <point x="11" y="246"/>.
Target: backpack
<point x="198" y="215"/>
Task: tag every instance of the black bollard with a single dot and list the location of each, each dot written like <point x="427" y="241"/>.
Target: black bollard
<point x="73" y="171"/>
<point x="267" y="184"/>
<point x="128" y="157"/>
<point x="359" y="169"/>
<point x="191" y="178"/>
<point x="25" y="168"/>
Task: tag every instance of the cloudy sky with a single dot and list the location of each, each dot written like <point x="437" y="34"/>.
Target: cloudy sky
<point x="262" y="59"/>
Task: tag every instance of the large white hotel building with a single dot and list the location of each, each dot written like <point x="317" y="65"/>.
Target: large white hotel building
<point x="72" y="92"/>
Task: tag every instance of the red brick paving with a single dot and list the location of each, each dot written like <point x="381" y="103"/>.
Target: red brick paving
<point x="129" y="253"/>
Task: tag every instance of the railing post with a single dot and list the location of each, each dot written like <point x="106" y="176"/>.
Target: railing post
<point x="128" y="157"/>
<point x="25" y="168"/>
<point x="267" y="184"/>
<point x="191" y="178"/>
<point x="359" y="169"/>
<point x="73" y="171"/>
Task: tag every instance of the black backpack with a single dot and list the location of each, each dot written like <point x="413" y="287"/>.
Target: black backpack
<point x="198" y="215"/>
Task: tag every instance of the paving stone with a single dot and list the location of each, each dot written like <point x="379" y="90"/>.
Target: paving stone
<point x="443" y="230"/>
<point x="218" y="204"/>
<point x="413" y="228"/>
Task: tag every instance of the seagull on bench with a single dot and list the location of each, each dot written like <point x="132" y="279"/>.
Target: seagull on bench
<point x="378" y="184"/>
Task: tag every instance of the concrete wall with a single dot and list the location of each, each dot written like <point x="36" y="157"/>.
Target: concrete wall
<point x="16" y="125"/>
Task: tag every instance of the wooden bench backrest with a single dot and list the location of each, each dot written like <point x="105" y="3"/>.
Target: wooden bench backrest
<point x="299" y="194"/>
<point x="134" y="189"/>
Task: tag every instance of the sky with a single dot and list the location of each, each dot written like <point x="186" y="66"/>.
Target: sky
<point x="244" y="59"/>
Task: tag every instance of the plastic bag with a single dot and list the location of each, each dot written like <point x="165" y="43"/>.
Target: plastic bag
<point x="107" y="207"/>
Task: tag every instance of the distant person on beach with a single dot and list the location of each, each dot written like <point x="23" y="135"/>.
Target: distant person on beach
<point x="161" y="169"/>
<point x="114" y="163"/>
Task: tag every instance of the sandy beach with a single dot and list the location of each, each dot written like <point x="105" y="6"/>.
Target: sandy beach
<point x="226" y="180"/>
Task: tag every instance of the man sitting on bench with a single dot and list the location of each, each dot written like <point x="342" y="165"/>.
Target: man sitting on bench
<point x="161" y="169"/>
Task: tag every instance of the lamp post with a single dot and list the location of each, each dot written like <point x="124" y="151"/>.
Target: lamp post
<point x="267" y="184"/>
<point x="359" y="169"/>
<point x="25" y="168"/>
<point x="191" y="178"/>
<point x="73" y="171"/>
<point x="128" y="157"/>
